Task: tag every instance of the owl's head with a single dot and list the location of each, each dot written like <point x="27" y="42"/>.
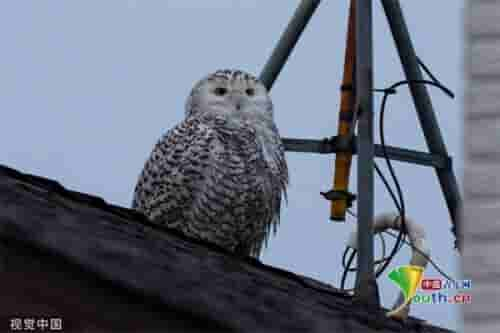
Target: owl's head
<point x="230" y="93"/>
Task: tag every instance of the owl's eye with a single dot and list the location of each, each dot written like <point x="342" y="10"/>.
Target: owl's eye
<point x="250" y="91"/>
<point x="220" y="91"/>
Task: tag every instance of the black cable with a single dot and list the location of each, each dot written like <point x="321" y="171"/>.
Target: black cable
<point x="399" y="200"/>
<point x="392" y="89"/>
<point x="344" y="256"/>
<point x="423" y="254"/>
<point x="347" y="266"/>
<point x="391" y="192"/>
<point x="401" y="235"/>
<point x="401" y="207"/>
<point x="428" y="72"/>
<point x="387" y="186"/>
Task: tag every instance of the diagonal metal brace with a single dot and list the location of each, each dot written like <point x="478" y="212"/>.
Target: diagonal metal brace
<point x="425" y="110"/>
<point x="287" y="42"/>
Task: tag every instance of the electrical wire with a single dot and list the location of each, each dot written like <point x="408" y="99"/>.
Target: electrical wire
<point x="431" y="261"/>
<point x="405" y="242"/>
<point x="346" y="265"/>
<point x="399" y="199"/>
<point x="401" y="207"/>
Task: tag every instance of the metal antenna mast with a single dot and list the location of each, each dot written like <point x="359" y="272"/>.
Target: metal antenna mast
<point x="366" y="287"/>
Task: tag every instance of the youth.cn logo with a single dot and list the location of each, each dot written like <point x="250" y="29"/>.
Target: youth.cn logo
<point x="407" y="278"/>
<point x="410" y="278"/>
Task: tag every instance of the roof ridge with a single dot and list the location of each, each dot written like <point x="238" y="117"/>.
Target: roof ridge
<point x="131" y="214"/>
<point x="372" y="318"/>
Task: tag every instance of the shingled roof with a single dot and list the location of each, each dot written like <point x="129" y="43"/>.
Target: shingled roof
<point x="161" y="266"/>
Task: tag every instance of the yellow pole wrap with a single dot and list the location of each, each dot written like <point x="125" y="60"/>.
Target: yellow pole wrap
<point x="343" y="160"/>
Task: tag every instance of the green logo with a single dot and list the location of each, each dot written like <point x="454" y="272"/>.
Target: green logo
<point x="407" y="278"/>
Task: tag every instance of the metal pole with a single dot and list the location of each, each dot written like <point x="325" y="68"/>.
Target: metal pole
<point x="366" y="284"/>
<point x="425" y="110"/>
<point x="287" y="42"/>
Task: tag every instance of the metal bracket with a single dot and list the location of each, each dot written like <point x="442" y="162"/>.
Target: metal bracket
<point x="334" y="195"/>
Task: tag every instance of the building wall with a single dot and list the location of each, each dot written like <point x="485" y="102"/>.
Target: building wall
<point x="481" y="260"/>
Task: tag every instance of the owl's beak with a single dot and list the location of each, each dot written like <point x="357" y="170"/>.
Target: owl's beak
<point x="238" y="100"/>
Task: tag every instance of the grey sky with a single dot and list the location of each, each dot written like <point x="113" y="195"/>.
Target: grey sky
<point x="87" y="87"/>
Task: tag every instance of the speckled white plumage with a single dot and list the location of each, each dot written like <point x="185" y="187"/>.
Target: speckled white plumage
<point x="220" y="174"/>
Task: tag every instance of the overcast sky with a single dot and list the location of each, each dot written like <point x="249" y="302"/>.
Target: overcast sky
<point x="87" y="88"/>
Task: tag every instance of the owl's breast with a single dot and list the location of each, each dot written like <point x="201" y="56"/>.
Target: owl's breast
<point x="250" y="157"/>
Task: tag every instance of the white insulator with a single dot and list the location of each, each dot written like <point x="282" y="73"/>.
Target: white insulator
<point x="416" y="235"/>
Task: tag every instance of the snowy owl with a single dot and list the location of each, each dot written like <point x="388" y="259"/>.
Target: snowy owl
<point x="220" y="174"/>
